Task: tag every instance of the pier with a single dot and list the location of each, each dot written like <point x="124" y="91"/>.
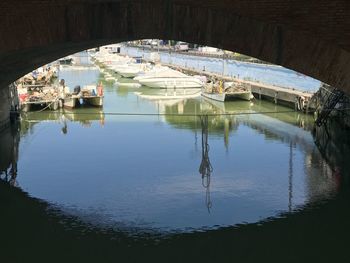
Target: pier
<point x="52" y="104"/>
<point x="299" y="100"/>
<point x="192" y="52"/>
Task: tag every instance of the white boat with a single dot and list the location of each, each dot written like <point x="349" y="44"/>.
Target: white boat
<point x="129" y="72"/>
<point x="153" y="72"/>
<point x="172" y="96"/>
<point x="110" y="79"/>
<point x="169" y="78"/>
<point x="128" y="85"/>
<point x="107" y="75"/>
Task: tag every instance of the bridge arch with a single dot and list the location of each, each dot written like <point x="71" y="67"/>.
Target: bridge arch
<point x="310" y="38"/>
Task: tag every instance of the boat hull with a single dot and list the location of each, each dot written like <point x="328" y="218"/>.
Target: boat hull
<point x="129" y="85"/>
<point x="214" y="96"/>
<point x="25" y="107"/>
<point x="176" y="96"/>
<point x="245" y="95"/>
<point x="164" y="83"/>
<point x="96" y="101"/>
<point x="128" y="74"/>
<point x="70" y="102"/>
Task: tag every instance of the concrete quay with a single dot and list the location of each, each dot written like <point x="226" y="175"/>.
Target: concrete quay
<point x="299" y="100"/>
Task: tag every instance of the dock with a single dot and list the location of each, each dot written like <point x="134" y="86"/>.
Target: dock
<point x="52" y="104"/>
<point x="192" y="52"/>
<point x="290" y="97"/>
<point x="299" y="100"/>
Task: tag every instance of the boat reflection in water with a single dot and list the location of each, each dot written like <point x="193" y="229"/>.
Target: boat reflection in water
<point x="83" y="116"/>
<point x="169" y="197"/>
<point x="131" y="192"/>
<point x="333" y="140"/>
<point x="276" y="124"/>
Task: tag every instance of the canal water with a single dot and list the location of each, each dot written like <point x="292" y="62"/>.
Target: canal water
<point x="169" y="180"/>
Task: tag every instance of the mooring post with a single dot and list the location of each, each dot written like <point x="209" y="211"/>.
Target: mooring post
<point x="276" y="95"/>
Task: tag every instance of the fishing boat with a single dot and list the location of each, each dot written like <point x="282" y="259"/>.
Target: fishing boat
<point x="37" y="96"/>
<point x="94" y="100"/>
<point x="92" y="95"/>
<point x="225" y="96"/>
<point x="71" y="101"/>
<point x="169" y="78"/>
<point x="229" y="91"/>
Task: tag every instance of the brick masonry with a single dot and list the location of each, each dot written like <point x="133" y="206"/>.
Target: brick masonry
<point x="4" y="109"/>
<point x="312" y="37"/>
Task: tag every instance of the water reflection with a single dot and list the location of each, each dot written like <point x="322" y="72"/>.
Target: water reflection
<point x="205" y="168"/>
<point x="9" y="147"/>
<point x="83" y="116"/>
<point x="276" y="123"/>
<point x="327" y="218"/>
<point x="122" y="188"/>
<point x="332" y="139"/>
<point x="290" y="179"/>
<point x="264" y="156"/>
<point x="286" y="133"/>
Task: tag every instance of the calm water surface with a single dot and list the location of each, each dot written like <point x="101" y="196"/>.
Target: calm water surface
<point x="175" y="185"/>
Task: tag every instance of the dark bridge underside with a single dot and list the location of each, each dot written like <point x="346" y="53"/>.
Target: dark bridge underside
<point x="312" y="37"/>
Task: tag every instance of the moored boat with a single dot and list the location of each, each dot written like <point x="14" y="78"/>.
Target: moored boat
<point x="92" y="95"/>
<point x="225" y="96"/>
<point x="129" y="85"/>
<point x="94" y="100"/>
<point x="170" y="96"/>
<point x="169" y="78"/>
<point x="71" y="101"/>
<point x="227" y="91"/>
<point x="129" y="72"/>
<point x="214" y="96"/>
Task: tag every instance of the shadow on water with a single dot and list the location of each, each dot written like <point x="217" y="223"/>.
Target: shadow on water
<point x="333" y="140"/>
<point x="32" y="230"/>
<point x="9" y="144"/>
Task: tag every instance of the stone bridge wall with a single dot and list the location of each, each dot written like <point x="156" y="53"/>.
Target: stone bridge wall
<point x="4" y="108"/>
<point x="312" y="37"/>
